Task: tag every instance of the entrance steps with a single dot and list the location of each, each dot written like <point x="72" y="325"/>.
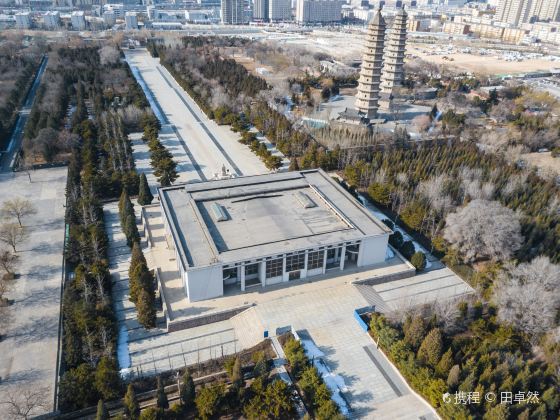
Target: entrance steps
<point x="249" y="329"/>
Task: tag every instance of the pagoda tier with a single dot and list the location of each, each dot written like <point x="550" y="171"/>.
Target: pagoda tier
<point x="367" y="98"/>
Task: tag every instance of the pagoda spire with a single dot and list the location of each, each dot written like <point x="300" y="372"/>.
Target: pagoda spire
<point x="393" y="60"/>
<point x="367" y="98"/>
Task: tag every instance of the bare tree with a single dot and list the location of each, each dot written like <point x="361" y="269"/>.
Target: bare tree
<point x="527" y="295"/>
<point x="446" y="312"/>
<point x="17" y="208"/>
<point x="5" y="287"/>
<point x="8" y="261"/>
<point x="484" y="230"/>
<point x="12" y="235"/>
<point x="24" y="403"/>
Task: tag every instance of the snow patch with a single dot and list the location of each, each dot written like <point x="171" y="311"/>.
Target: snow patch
<point x="334" y="382"/>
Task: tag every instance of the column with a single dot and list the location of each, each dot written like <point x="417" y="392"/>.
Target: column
<point x="342" y="256"/>
<point x="305" y="264"/>
<point x="325" y="261"/>
<point x="284" y="276"/>
<point x="262" y="273"/>
<point x="242" y="277"/>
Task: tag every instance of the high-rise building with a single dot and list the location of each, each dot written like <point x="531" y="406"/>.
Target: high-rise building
<point x="393" y="59"/>
<point x="509" y="11"/>
<point x="260" y="9"/>
<point x="232" y="12"/>
<point x="131" y="20"/>
<point x="367" y="98"/>
<point x="78" y="20"/>
<point x="540" y="10"/>
<point x="23" y="20"/>
<point x="516" y="12"/>
<point x="109" y="18"/>
<point x="318" y="11"/>
<point x="280" y="10"/>
<point x="51" y="20"/>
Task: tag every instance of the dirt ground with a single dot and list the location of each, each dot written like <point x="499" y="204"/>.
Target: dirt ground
<point x="484" y="64"/>
<point x="543" y="161"/>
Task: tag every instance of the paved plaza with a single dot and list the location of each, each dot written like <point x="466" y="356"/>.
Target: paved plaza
<point x="30" y="327"/>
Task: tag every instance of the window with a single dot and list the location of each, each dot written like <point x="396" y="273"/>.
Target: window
<point x="273" y="268"/>
<point x="315" y="260"/>
<point x="251" y="269"/>
<point x="295" y="262"/>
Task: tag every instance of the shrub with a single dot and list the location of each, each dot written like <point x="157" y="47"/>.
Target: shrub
<point x="389" y="224"/>
<point x="407" y="249"/>
<point x="418" y="260"/>
<point x="396" y="240"/>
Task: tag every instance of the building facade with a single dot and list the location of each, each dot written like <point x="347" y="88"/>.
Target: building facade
<point x="280" y="10"/>
<point x="318" y="11"/>
<point x="51" y="20"/>
<point x="232" y="12"/>
<point x="78" y="20"/>
<point x="23" y="20"/>
<point x="367" y="98"/>
<point x="131" y="20"/>
<point x="516" y="12"/>
<point x="260" y="10"/>
<point x="109" y="18"/>
<point x="258" y="231"/>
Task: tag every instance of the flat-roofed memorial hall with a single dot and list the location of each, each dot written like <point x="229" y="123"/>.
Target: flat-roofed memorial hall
<point x="262" y="230"/>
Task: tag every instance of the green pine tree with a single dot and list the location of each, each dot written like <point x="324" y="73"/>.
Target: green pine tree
<point x="145" y="196"/>
<point x="431" y="348"/>
<point x="146" y="309"/>
<point x="187" y="390"/>
<point x="162" y="401"/>
<point x="107" y="379"/>
<point x="131" y="230"/>
<point x="237" y="374"/>
<point x="102" y="412"/>
<point x="131" y="406"/>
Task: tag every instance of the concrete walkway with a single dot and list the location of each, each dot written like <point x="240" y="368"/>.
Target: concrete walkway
<point x="211" y="146"/>
<point x="28" y="350"/>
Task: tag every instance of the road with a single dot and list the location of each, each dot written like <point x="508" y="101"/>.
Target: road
<point x="209" y="146"/>
<point x="8" y="155"/>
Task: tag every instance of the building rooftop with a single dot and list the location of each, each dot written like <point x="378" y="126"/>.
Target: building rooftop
<point x="246" y="218"/>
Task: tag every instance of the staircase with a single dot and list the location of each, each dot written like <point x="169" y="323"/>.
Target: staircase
<point x="248" y="327"/>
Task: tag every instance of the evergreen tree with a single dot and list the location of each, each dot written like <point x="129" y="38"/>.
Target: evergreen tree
<point x="188" y="390"/>
<point x="145" y="196"/>
<point x="102" y="412"/>
<point x="453" y="377"/>
<point x="208" y="400"/>
<point x="131" y="230"/>
<point x="430" y="349"/>
<point x="445" y="364"/>
<point x="294" y="166"/>
<point x="415" y="332"/>
<point x="162" y="401"/>
<point x="237" y="374"/>
<point x="107" y="379"/>
<point x="131" y="406"/>
<point x="146" y="309"/>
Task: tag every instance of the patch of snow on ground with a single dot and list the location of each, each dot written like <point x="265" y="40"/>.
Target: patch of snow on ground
<point x="334" y="382"/>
